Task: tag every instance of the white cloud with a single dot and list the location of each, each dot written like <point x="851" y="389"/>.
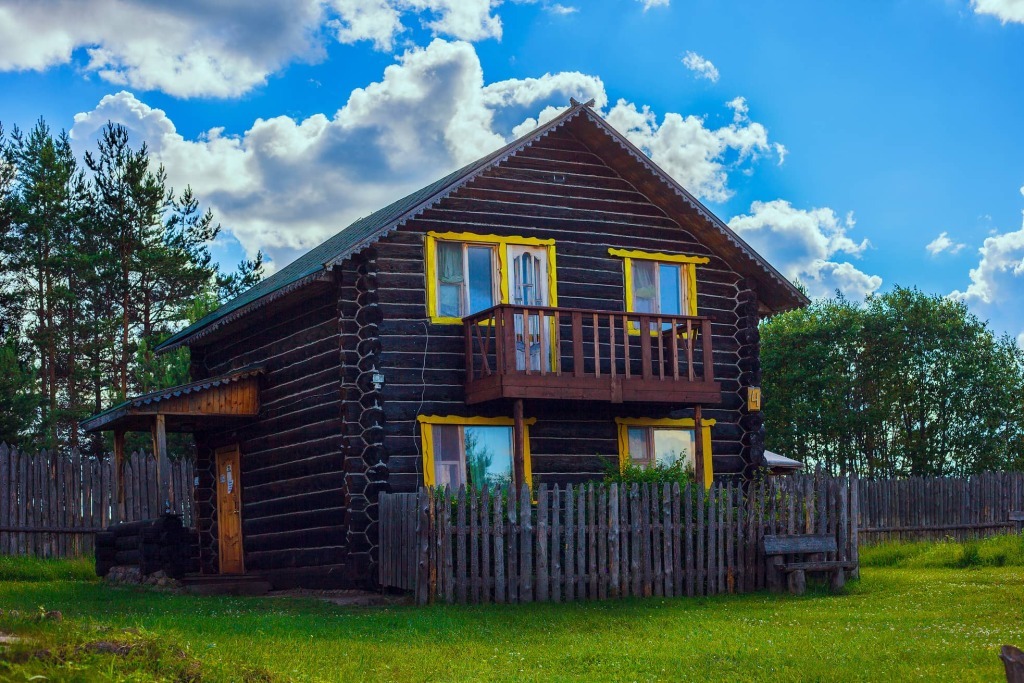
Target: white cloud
<point x="807" y="245"/>
<point x="185" y="49"/>
<point x="943" y="243"/>
<point x="999" y="276"/>
<point x="1004" y="10"/>
<point x="285" y="185"/>
<point x="560" y="9"/>
<point x="700" y="66"/>
<point x="1020" y="340"/>
<point x="648" y="4"/>
<point x="215" y="49"/>
<point x="697" y="156"/>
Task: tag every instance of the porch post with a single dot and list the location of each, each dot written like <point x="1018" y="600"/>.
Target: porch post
<point x="518" y="443"/>
<point x="163" y="484"/>
<point x="698" y="445"/>
<point x="119" y="472"/>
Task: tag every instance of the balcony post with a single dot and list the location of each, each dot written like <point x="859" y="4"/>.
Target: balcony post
<point x="698" y="445"/>
<point x="518" y="443"/>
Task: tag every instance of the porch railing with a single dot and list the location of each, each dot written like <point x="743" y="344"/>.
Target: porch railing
<point x="543" y="352"/>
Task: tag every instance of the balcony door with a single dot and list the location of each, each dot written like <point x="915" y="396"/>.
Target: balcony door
<point x="528" y="286"/>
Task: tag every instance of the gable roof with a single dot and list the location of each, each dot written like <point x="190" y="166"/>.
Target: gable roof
<point x="315" y="264"/>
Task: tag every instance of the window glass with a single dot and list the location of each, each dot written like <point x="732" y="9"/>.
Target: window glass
<point x="671" y="445"/>
<point x="488" y="451"/>
<point x="450" y="278"/>
<point x="644" y="287"/>
<point x="638" y="445"/>
<point x="669" y="281"/>
<point x="448" y="464"/>
<point x="481" y="274"/>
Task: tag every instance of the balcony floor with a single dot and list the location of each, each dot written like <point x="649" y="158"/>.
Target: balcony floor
<point x="568" y="387"/>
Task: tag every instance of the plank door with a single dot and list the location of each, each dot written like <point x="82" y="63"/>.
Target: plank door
<point x="229" y="511"/>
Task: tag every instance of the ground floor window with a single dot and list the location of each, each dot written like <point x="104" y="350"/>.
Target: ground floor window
<point x="646" y="442"/>
<point x="470" y="451"/>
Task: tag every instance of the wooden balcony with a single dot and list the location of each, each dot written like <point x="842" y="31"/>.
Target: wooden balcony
<point x="541" y="352"/>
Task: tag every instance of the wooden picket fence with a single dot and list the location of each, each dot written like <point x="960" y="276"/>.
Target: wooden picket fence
<point x="595" y="542"/>
<point x="934" y="508"/>
<point x="51" y="504"/>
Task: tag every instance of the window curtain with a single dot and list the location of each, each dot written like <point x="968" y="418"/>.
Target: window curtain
<point x="643" y="287"/>
<point x="449" y="263"/>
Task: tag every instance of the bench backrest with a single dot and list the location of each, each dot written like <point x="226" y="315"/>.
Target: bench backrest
<point x="803" y="543"/>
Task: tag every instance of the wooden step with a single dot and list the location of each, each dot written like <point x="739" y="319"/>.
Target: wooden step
<point x="226" y="584"/>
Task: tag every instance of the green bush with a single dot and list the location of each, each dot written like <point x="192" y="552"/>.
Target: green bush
<point x="676" y="473"/>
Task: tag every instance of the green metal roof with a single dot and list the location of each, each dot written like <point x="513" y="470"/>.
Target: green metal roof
<point x="99" y="420"/>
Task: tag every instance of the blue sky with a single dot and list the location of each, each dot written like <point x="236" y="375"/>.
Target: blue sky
<point x="857" y="145"/>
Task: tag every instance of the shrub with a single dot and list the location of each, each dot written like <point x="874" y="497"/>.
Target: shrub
<point x="658" y="474"/>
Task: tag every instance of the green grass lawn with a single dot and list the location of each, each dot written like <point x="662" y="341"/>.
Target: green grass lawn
<point x="897" y="623"/>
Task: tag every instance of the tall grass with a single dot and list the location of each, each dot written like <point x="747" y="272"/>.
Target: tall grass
<point x="26" y="568"/>
<point x="996" y="551"/>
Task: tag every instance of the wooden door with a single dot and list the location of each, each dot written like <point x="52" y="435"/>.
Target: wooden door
<point x="229" y="511"/>
<point x="528" y="286"/>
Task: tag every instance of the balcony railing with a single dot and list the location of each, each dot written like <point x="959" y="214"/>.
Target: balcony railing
<point x="542" y="352"/>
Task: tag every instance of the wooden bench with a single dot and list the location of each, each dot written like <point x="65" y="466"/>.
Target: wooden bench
<point x="1017" y="516"/>
<point x="802" y="546"/>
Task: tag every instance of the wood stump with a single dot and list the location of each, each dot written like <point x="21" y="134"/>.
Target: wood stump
<point x="797" y="582"/>
<point x="1013" y="660"/>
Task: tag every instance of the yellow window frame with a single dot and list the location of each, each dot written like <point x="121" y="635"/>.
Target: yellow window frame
<point x="427" y="439"/>
<point x="501" y="242"/>
<point x="624" y="423"/>
<point x="689" y="273"/>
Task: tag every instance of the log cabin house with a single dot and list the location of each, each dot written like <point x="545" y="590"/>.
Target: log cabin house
<point x="555" y="307"/>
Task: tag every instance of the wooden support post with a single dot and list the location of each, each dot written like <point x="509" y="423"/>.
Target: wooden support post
<point x="163" y="484"/>
<point x="518" y="443"/>
<point x="119" y="472"/>
<point x="698" y="446"/>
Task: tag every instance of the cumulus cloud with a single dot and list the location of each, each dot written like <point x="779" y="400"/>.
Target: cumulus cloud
<point x="218" y="49"/>
<point x="999" y="275"/>
<point x="648" y="4"/>
<point x="185" y="49"/>
<point x="697" y="156"/>
<point x="700" y="66"/>
<point x="284" y="185"/>
<point x="1004" y="10"/>
<point x="944" y="243"/>
<point x="808" y="245"/>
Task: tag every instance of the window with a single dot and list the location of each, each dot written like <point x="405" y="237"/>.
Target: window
<point x="469" y="273"/>
<point x="465" y="278"/>
<point x="470" y="451"/>
<point x="658" y="283"/>
<point x="646" y="442"/>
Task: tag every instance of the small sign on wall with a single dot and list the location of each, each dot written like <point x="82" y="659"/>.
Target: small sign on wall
<point x="753" y="399"/>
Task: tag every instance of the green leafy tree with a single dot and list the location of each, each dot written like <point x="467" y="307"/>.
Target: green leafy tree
<point x="906" y="384"/>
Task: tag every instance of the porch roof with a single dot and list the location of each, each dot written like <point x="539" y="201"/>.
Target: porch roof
<point x="223" y="399"/>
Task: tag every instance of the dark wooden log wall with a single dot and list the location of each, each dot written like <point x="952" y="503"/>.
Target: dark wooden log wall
<point x="554" y="189"/>
<point x="293" y="481"/>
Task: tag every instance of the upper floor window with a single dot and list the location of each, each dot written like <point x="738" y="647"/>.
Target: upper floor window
<point x="469" y="273"/>
<point x="660" y="284"/>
